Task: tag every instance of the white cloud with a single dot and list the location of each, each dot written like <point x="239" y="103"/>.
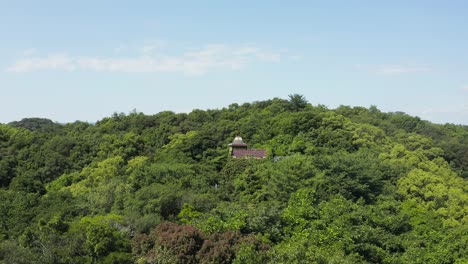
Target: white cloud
<point x="50" y="62"/>
<point x="152" y="46"/>
<point x="194" y="62"/>
<point x="28" y="52"/>
<point x="120" y="49"/>
<point x="393" y="69"/>
<point x="246" y="50"/>
<point x="455" y="109"/>
<point x="294" y="57"/>
<point x="457" y="114"/>
<point x="399" y="69"/>
<point x="465" y="88"/>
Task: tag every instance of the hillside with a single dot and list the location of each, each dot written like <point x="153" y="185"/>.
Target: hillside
<point x="345" y="185"/>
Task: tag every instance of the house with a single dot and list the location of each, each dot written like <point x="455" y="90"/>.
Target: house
<point x="239" y="149"/>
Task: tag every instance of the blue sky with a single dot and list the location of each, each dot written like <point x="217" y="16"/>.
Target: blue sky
<point x="84" y="60"/>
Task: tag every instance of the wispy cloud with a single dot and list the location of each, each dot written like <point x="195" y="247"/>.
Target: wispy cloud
<point x="152" y="46"/>
<point x="457" y="113"/>
<point x="294" y="57"/>
<point x="120" y="49"/>
<point x="393" y="69"/>
<point x="28" y="52"/>
<point x="454" y="109"/>
<point x="50" y="62"/>
<point x="465" y="88"/>
<point x="190" y="62"/>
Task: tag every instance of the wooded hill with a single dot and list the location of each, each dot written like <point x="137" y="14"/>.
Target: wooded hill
<point x="345" y="185"/>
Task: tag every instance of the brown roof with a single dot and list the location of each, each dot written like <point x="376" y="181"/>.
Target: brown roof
<point x="242" y="153"/>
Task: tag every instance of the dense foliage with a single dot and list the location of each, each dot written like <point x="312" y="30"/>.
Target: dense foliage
<point x="348" y="185"/>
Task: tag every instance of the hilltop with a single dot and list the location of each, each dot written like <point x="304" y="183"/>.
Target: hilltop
<point x="344" y="185"/>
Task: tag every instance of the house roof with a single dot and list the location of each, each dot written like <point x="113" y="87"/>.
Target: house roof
<point x="238" y="142"/>
<point x="242" y="153"/>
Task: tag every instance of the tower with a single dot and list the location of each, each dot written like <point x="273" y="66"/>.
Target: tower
<point x="239" y="149"/>
<point x="237" y="143"/>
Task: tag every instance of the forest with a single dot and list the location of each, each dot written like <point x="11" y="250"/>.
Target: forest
<point x="344" y="185"/>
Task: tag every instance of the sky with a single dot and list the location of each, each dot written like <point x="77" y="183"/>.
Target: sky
<point x="84" y="60"/>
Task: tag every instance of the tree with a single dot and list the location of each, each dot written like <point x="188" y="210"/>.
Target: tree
<point x="345" y="185"/>
<point x="297" y="102"/>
